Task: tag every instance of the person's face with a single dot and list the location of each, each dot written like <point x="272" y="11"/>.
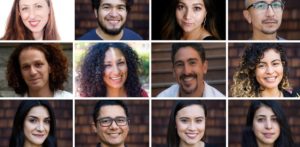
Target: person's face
<point x="190" y="124"/>
<point x="265" y="126"/>
<point x="265" y="21"/>
<point x="35" y="69"/>
<point x="269" y="71"/>
<point x="189" y="70"/>
<point x="111" y="16"/>
<point x="112" y="135"/>
<point x="34" y="14"/>
<point x="190" y="15"/>
<point x="36" y="126"/>
<point x="115" y="72"/>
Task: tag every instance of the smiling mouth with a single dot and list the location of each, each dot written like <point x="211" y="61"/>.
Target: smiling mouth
<point x="268" y="135"/>
<point x="270" y="79"/>
<point x="113" y="22"/>
<point x="191" y="135"/>
<point x="34" y="23"/>
<point x="39" y="135"/>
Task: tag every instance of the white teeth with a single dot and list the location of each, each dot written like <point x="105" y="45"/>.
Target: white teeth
<point x="270" y="79"/>
<point x="116" y="78"/>
<point x="114" y="134"/>
<point x="188" y="79"/>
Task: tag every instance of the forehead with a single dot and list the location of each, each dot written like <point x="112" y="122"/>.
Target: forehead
<point x="30" y="2"/>
<point x="38" y="111"/>
<point x="187" y="52"/>
<point x="271" y="54"/>
<point x="265" y="111"/>
<point x="254" y="1"/>
<point x="111" y="111"/>
<point x="112" y="2"/>
<point x="113" y="53"/>
<point x="31" y="53"/>
<point x="191" y="1"/>
<point x="191" y="110"/>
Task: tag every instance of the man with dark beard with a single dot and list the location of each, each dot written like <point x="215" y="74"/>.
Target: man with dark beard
<point x="111" y="16"/>
<point x="189" y="68"/>
<point x="265" y="17"/>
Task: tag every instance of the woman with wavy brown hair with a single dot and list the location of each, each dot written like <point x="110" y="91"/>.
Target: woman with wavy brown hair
<point x="38" y="70"/>
<point x="263" y="72"/>
<point x="31" y="20"/>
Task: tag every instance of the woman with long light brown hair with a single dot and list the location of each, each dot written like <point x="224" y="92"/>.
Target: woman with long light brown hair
<point x="31" y="20"/>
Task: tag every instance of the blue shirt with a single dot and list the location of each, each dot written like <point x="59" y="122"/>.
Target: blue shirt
<point x="127" y="35"/>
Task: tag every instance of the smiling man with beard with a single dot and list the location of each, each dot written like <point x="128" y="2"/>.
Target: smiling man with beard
<point x="189" y="68"/>
<point x="111" y="16"/>
<point x="265" y="16"/>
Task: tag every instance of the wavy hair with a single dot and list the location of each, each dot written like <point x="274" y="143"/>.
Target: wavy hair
<point x="92" y="71"/>
<point x="285" y="138"/>
<point x="17" y="138"/>
<point x="244" y="80"/>
<point x="173" y="139"/>
<point x="16" y="30"/>
<point x="171" y="29"/>
<point x="55" y="57"/>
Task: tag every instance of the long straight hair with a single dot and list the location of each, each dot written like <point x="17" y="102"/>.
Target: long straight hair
<point x="16" y="30"/>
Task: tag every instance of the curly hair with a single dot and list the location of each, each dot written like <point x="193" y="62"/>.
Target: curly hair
<point x="55" y="57"/>
<point x="92" y="71"/>
<point x="244" y="80"/>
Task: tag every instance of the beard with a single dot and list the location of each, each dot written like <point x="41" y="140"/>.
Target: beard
<point x="114" y="31"/>
<point x="187" y="90"/>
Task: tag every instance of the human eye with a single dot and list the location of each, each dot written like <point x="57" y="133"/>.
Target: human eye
<point x="260" y="119"/>
<point x="121" y="63"/>
<point x="121" y="120"/>
<point x="178" y="64"/>
<point x="106" y="7"/>
<point x="25" y="67"/>
<point x="199" y="120"/>
<point x="24" y="8"/>
<point x="122" y="7"/>
<point x="184" y="120"/>
<point x="197" y="8"/>
<point x="260" y="6"/>
<point x="105" y="121"/>
<point x="276" y="63"/>
<point x="180" y="6"/>
<point x="277" y="4"/>
<point x="39" y="6"/>
<point x="39" y="65"/>
<point x="261" y="66"/>
<point x="32" y="120"/>
<point x="47" y="121"/>
<point x="274" y="119"/>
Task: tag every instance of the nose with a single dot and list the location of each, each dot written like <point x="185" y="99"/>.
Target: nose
<point x="32" y="71"/>
<point x="114" y="125"/>
<point x="40" y="127"/>
<point x="270" y="70"/>
<point x="31" y="13"/>
<point x="187" y="69"/>
<point x="270" y="11"/>
<point x="188" y="14"/>
<point x="113" y="12"/>
<point x="192" y="126"/>
<point x="268" y="124"/>
<point x="115" y="69"/>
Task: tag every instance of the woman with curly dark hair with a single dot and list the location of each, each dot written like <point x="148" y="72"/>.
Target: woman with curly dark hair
<point x="111" y="70"/>
<point x="263" y="72"/>
<point x="38" y="70"/>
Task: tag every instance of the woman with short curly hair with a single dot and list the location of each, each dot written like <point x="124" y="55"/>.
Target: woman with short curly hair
<point x="38" y="70"/>
<point x="111" y="70"/>
<point x="263" y="72"/>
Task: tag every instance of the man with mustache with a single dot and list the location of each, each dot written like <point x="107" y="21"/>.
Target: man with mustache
<point x="265" y="17"/>
<point x="111" y="16"/>
<point x="189" y="68"/>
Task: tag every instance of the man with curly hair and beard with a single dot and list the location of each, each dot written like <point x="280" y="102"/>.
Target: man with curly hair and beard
<point x="189" y="68"/>
<point x="111" y="16"/>
<point x="111" y="70"/>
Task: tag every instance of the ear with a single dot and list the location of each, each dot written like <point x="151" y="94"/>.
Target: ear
<point x="96" y="13"/>
<point x="205" y="66"/>
<point x="94" y="128"/>
<point x="247" y="16"/>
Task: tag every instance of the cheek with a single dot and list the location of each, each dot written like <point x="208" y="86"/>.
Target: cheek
<point x="24" y="15"/>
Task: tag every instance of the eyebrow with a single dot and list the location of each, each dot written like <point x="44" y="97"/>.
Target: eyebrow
<point x="31" y="116"/>
<point x="271" y="61"/>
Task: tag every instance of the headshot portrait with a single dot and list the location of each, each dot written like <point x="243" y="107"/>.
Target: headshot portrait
<point x="36" y="123"/>
<point x="112" y="19"/>
<point x="112" y="69"/>
<point x="264" y="70"/>
<point x="186" y="123"/>
<point x="36" y="70"/>
<point x="188" y="70"/>
<point x="259" y="123"/>
<point x="263" y="20"/>
<point x="188" y="20"/>
<point x="112" y="123"/>
<point x="37" y="20"/>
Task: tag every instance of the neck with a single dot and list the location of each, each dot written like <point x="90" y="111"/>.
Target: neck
<point x="265" y="145"/>
<point x="197" y="93"/>
<point x="261" y="36"/>
<point x="38" y="35"/>
<point x="198" y="144"/>
<point x="106" y="36"/>
<point x="27" y="144"/>
<point x="44" y="92"/>
<point x="113" y="92"/>
<point x="198" y="34"/>
<point x="112" y="145"/>
<point x="275" y="92"/>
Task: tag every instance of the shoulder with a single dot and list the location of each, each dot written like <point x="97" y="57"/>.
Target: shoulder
<point x="91" y="35"/>
<point x="210" y="38"/>
<point x="144" y="93"/>
<point x="130" y="35"/>
<point x="209" y="145"/>
<point x="62" y="93"/>
<point x="294" y="93"/>
<point x="170" y="92"/>
<point x="210" y="91"/>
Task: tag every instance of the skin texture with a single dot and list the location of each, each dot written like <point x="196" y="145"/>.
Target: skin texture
<point x="115" y="73"/>
<point x="269" y="73"/>
<point x="265" y="126"/>
<point x="189" y="71"/>
<point x="35" y="71"/>
<point x="36" y="126"/>
<point x="111" y="17"/>
<point x="35" y="15"/>
<point x="113" y="135"/>
<point x="190" y="16"/>
<point x="264" y="23"/>
<point x="190" y="124"/>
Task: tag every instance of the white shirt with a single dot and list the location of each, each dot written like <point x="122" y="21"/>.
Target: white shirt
<point x="173" y="91"/>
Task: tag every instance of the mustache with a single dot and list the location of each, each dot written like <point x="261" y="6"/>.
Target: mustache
<point x="269" y="20"/>
<point x="187" y="76"/>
